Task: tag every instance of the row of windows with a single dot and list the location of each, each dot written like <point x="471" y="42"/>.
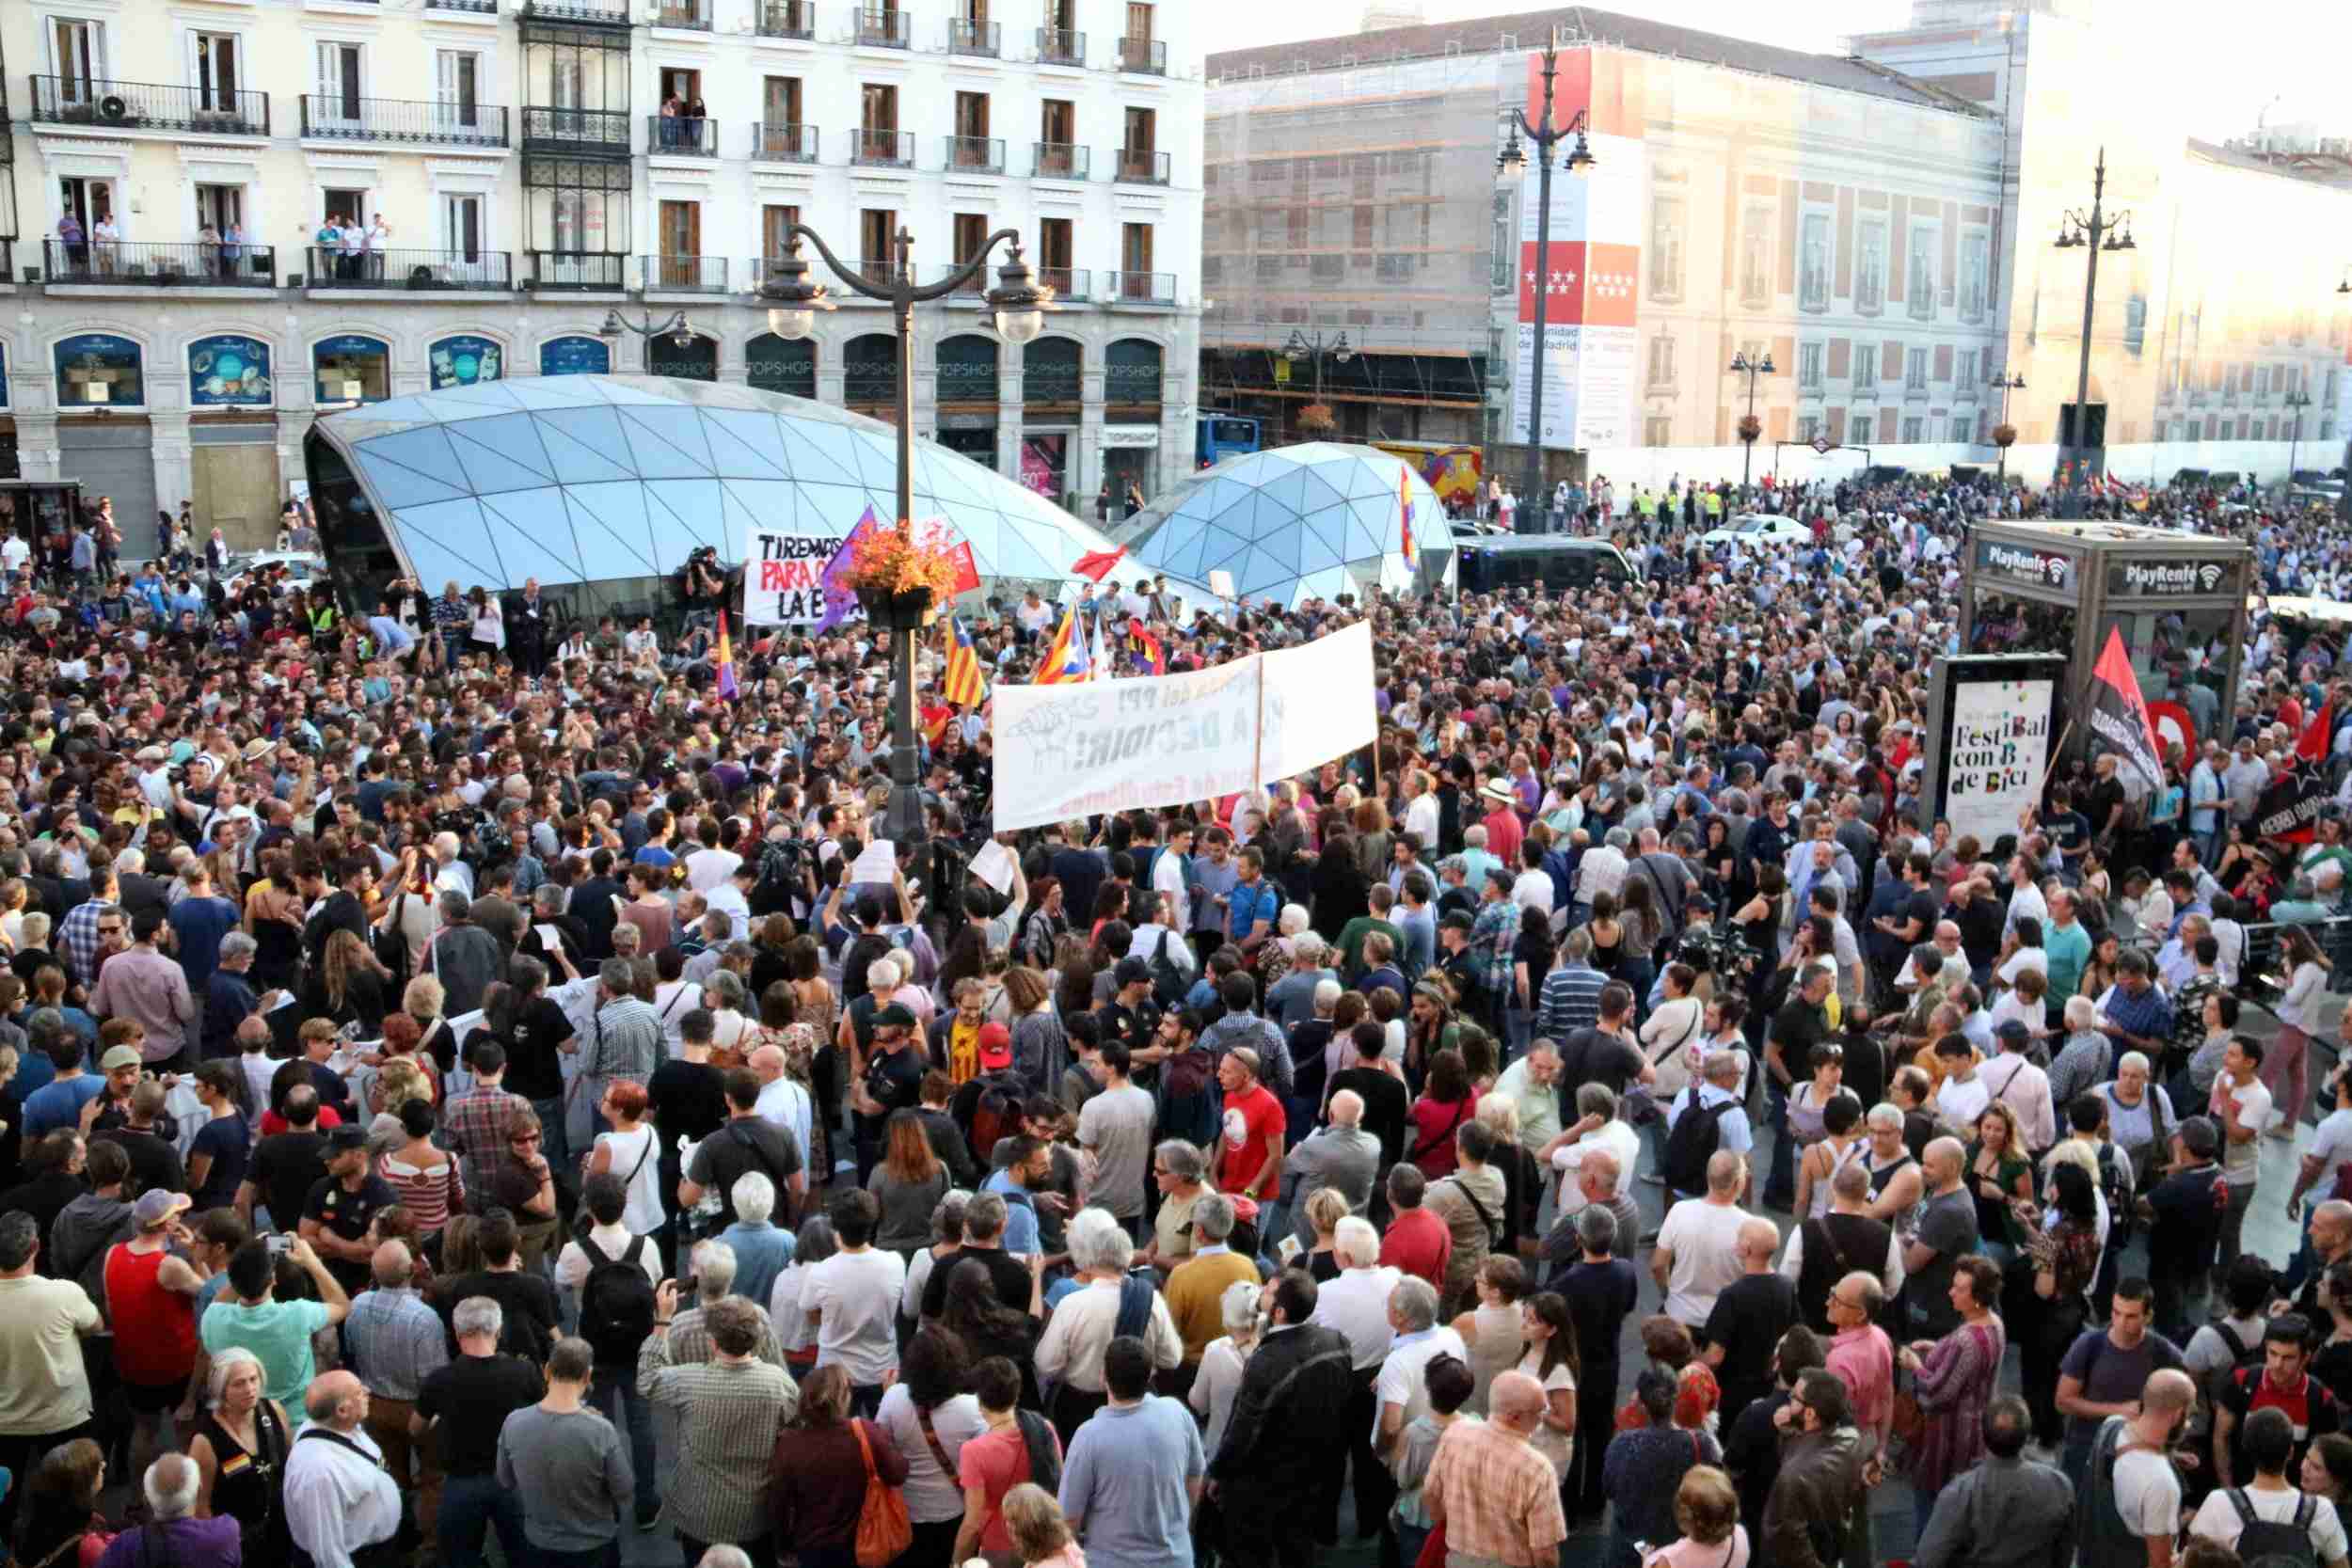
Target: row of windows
<point x="232" y="370"/>
<point x="1870" y="259"/>
<point x="1912" y="368"/>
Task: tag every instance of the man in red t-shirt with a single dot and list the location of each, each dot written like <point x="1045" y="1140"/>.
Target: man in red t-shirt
<point x="1249" y="1149"/>
<point x="1417" y="1241"/>
<point x="2283" y="1380"/>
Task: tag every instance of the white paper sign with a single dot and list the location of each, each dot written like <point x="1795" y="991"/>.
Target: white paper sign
<point x="1999" y="749"/>
<point x="1066" y="752"/>
<point x="550" y="940"/>
<point x="994" y="865"/>
<point x="1318" y="703"/>
<point x="877" y="863"/>
<point x="783" y="577"/>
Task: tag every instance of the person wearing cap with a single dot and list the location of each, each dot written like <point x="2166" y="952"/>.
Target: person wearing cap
<point x="141" y="985"/>
<point x="148" y="1139"/>
<point x="151" y="1294"/>
<point x="893" y="1081"/>
<point x="2185" y="1207"/>
<point x="342" y="1204"/>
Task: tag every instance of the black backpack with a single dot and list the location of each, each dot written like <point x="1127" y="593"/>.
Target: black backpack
<point x="1695" y="1137"/>
<point x="2284" y="1543"/>
<point x="615" y="1303"/>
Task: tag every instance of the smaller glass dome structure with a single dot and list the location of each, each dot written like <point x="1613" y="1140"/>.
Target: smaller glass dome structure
<point x="1319" y="519"/>
<point x="602" y="486"/>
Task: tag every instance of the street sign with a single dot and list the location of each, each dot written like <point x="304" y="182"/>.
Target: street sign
<point x="1822" y="445"/>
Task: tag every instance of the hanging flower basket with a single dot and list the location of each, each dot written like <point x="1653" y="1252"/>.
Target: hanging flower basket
<point x="1750" y="427"/>
<point x="2005" y="435"/>
<point x="1317" y="418"/>
<point x="898" y="580"/>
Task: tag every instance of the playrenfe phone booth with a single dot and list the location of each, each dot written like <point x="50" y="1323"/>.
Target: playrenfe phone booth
<point x="2179" y="599"/>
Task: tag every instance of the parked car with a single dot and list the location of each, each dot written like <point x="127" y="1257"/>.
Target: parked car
<point x="1756" y="528"/>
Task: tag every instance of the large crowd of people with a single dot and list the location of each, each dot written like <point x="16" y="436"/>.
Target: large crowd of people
<point x="470" y="1088"/>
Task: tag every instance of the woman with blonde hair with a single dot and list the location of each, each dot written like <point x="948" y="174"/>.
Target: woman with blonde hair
<point x="1324" y="1208"/>
<point x="1040" y="1532"/>
<point x="239" y="1445"/>
<point x="1999" y="1174"/>
<point x="423" y="1000"/>
<point x="349" y="987"/>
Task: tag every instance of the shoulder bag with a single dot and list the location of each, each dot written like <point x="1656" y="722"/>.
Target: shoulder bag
<point x="882" y="1529"/>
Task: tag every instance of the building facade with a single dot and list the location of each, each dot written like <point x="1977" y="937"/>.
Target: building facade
<point x="522" y="168"/>
<point x="1878" y="225"/>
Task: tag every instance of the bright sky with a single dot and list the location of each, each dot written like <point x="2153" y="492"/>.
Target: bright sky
<point x="2290" y="49"/>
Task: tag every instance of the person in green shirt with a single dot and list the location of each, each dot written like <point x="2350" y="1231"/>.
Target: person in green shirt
<point x="277" y="1332"/>
<point x="2067" y="946"/>
<point x="1381" y="898"/>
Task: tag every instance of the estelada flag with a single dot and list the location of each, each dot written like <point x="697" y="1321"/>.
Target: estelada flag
<point x="2119" y="714"/>
<point x="2291" y="806"/>
<point x="728" y="687"/>
<point x="1404" y="512"/>
<point x="1065" y="653"/>
<point x="966" y="687"/>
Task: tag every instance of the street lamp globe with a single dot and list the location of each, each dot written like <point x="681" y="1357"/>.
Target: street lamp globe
<point x="1020" y="327"/>
<point x="1511" y="163"/>
<point x="1581" y="159"/>
<point x="612" y="326"/>
<point x="1019" y="302"/>
<point x="791" y="324"/>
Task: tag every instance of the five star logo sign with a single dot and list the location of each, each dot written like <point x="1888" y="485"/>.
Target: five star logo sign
<point x="1612" y="285"/>
<point x="1559" y="282"/>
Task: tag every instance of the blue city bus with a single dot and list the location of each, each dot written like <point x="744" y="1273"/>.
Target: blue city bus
<point x="1223" y="435"/>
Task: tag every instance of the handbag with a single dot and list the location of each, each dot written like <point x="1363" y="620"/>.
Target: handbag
<point x="883" y="1530"/>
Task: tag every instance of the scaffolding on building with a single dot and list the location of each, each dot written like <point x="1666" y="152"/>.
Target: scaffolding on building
<point x="1358" y="199"/>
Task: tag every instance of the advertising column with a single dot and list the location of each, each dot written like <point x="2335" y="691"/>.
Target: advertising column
<point x="1591" y="279"/>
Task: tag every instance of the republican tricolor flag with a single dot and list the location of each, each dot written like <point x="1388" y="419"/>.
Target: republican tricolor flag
<point x="728" y="687"/>
<point x="1404" y="511"/>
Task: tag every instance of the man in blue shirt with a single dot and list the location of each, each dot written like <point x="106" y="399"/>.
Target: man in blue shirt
<point x="60" y="1102"/>
<point x="198" y="922"/>
<point x="1134" y="1471"/>
<point x="1030" y="1167"/>
<point x="1253" y="905"/>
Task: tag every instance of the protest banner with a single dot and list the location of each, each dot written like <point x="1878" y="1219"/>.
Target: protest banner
<point x="2000" y="743"/>
<point x="783" y="577"/>
<point x="1318" y="703"/>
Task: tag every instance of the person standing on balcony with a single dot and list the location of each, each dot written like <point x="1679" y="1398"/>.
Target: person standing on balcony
<point x="70" y="236"/>
<point x="208" y="248"/>
<point x="109" y="235"/>
<point x="670" y="112"/>
<point x="231" y="249"/>
<point x="353" y="239"/>
<point x="373" y="245"/>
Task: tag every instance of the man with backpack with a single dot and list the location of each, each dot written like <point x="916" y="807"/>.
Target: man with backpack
<point x="2283" y="1383"/>
<point x="2268" y="1522"/>
<point x="2131" y="1506"/>
<point x="1708" y="1115"/>
<point x="613" y="1275"/>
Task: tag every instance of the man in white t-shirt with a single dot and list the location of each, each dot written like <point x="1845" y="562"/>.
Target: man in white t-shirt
<point x="1697" y="1255"/>
<point x="1400" y="1394"/>
<point x="2241" y="1107"/>
<point x="2146" y="1490"/>
<point x="852" y="1300"/>
<point x="2270" y="1498"/>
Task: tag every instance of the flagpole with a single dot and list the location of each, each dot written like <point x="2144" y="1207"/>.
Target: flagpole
<point x="2057" y="755"/>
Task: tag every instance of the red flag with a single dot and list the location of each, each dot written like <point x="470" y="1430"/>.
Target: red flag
<point x="967" y="570"/>
<point x="1097" y="564"/>
<point x="2290" y="808"/>
<point x="2119" y="714"/>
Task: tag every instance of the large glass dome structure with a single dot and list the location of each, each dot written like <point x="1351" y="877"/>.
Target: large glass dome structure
<point x="602" y="486"/>
<point x="1318" y="519"/>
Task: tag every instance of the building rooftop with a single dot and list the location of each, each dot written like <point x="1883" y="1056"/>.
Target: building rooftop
<point x="1581" y="24"/>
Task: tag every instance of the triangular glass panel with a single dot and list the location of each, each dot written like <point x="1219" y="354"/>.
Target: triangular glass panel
<point x="685" y="514"/>
<point x="455" y="528"/>
<point x="491" y="469"/>
<point x="396" y="485"/>
<point x="668" y="442"/>
<point x="532" y="531"/>
<point x="610" y="543"/>
<point x="743" y="444"/>
<point x="585" y="445"/>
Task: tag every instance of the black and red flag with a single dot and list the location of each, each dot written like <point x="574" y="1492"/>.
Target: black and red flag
<point x="2119" y="714"/>
<point x="2290" y="807"/>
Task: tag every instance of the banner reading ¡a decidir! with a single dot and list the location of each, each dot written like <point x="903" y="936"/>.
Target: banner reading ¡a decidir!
<point x="1065" y="751"/>
<point x="2000" y="747"/>
<point x="783" y="577"/>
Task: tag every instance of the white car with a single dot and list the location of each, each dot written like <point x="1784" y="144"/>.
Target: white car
<point x="301" y="565"/>
<point x="1756" y="528"/>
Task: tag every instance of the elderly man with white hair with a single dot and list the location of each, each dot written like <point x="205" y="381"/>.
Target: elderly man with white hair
<point x="1597" y="1128"/>
<point x="1356" y="1306"/>
<point x="762" y="1248"/>
<point x="1697" y="1253"/>
<point x="1400" y="1392"/>
<point x="1340" y="1155"/>
<point x="1081" y="1328"/>
<point x="342" y="1506"/>
<point x="173" y="1532"/>
<point x="713" y="1266"/>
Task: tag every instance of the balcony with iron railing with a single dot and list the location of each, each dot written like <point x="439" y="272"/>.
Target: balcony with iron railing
<point x="982" y="39"/>
<point x="692" y="15"/>
<point x="976" y="154"/>
<point x="1054" y="160"/>
<point x="593" y="132"/>
<point x="1143" y="56"/>
<point x="97" y="104"/>
<point x="682" y="275"/>
<point x="1068" y="283"/>
<point x="334" y="116"/>
<point x="882" y="149"/>
<point x="610" y="13"/>
<point x="682" y="136"/>
<point x="477" y="8"/>
<point x="1140" y="165"/>
<point x="883" y="27"/>
<point x="787" y="18"/>
<point x="1138" y="288"/>
<point x="784" y="144"/>
<point x="189" y="264"/>
<point x="1060" y="46"/>
<point x="577" y="271"/>
<point x="418" y="271"/>
<point x="972" y="288"/>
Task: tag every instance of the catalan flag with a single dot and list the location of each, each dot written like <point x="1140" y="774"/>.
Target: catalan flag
<point x="1404" y="511"/>
<point x="1065" y="653"/>
<point x="728" y="687"/>
<point x="966" y="687"/>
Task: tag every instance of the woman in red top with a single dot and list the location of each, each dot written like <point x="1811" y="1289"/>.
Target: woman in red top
<point x="1447" y="1101"/>
<point x="150" y="1301"/>
<point x="998" y="1460"/>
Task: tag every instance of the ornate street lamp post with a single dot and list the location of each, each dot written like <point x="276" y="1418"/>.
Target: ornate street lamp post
<point x="1510" y="168"/>
<point x="2097" y="232"/>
